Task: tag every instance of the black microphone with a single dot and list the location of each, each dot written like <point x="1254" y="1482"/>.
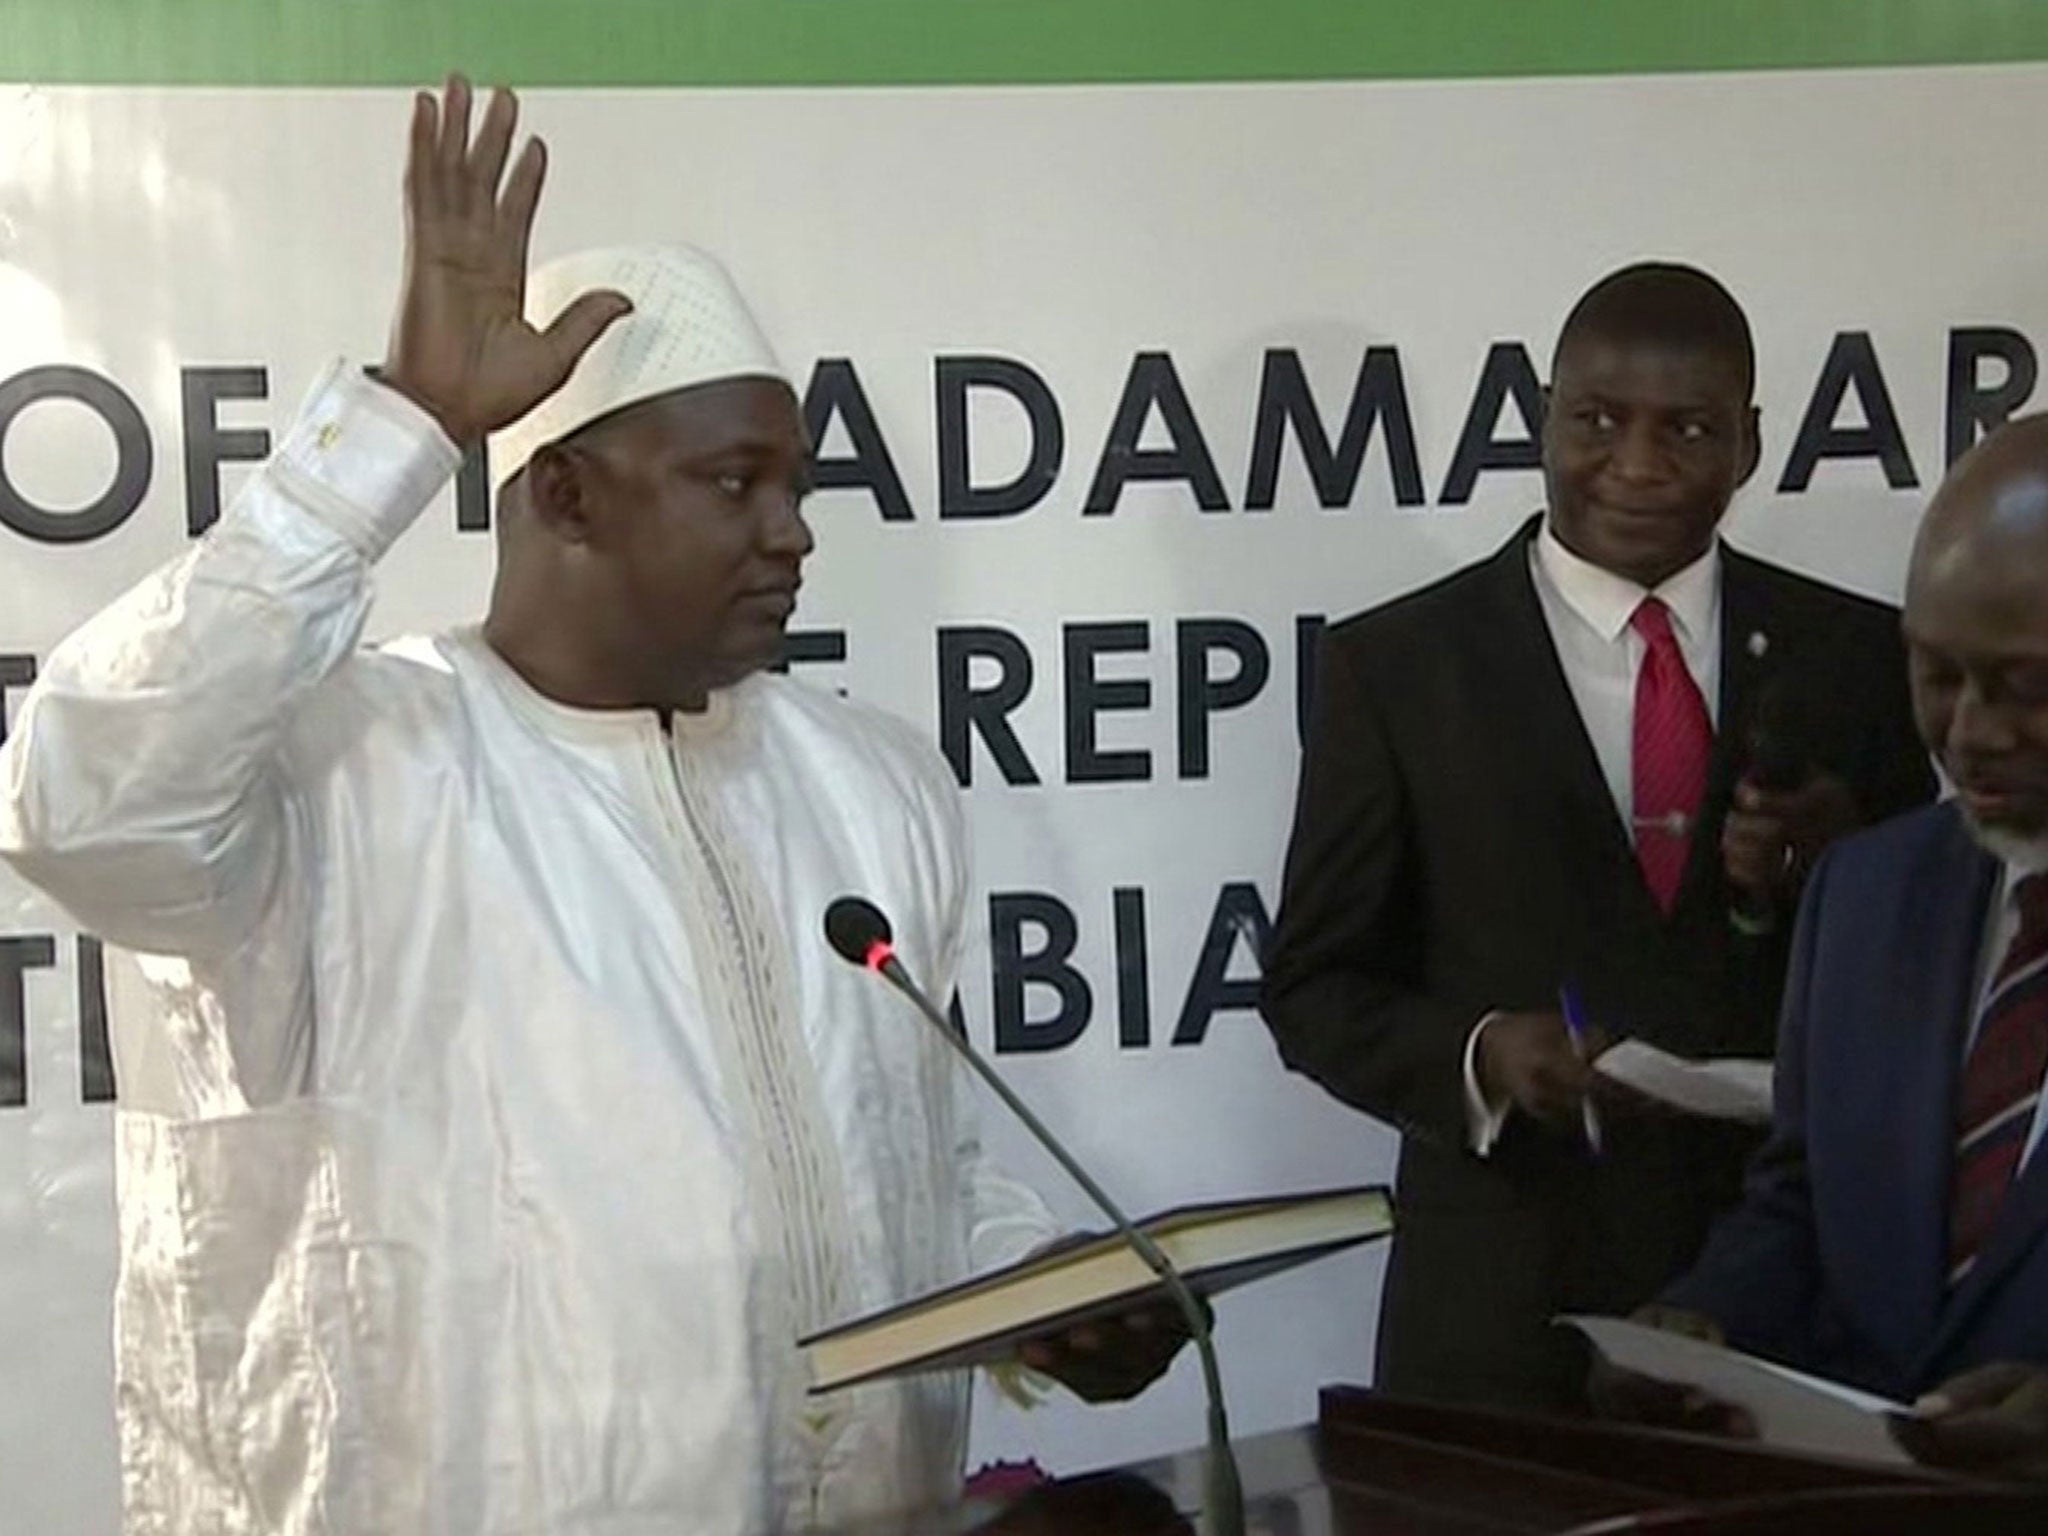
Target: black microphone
<point x="858" y="931"/>
<point x="1777" y="751"/>
<point x="1778" y="763"/>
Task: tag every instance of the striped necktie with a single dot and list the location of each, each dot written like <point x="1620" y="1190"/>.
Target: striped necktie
<point x="1673" y="738"/>
<point x="2001" y="1080"/>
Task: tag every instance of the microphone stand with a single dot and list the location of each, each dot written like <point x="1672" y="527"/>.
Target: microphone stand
<point x="1223" y="1493"/>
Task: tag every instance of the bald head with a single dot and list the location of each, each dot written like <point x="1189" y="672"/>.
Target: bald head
<point x="1993" y="504"/>
<point x="1976" y="621"/>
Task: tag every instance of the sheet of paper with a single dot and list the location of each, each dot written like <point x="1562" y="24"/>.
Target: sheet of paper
<point x="1792" y="1410"/>
<point x="1724" y="1088"/>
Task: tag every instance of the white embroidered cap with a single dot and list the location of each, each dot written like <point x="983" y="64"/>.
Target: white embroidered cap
<point x="689" y="325"/>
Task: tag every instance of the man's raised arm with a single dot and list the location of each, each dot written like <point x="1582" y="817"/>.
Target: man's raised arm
<point x="142" y="786"/>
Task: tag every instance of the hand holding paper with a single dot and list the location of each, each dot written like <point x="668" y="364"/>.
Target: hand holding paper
<point x="1532" y="1061"/>
<point x="1991" y="1420"/>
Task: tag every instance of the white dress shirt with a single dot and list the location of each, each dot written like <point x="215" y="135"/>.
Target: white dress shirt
<point x="1587" y="611"/>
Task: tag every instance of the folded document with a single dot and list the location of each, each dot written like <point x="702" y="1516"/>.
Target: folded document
<point x="1723" y="1088"/>
<point x="1792" y="1410"/>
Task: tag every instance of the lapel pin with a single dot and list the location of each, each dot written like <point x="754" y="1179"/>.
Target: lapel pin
<point x="1758" y="643"/>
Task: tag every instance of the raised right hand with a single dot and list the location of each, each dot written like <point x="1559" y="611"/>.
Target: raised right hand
<point x="1529" y="1059"/>
<point x="461" y="347"/>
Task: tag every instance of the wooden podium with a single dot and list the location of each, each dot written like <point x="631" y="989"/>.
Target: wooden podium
<point x="1380" y="1466"/>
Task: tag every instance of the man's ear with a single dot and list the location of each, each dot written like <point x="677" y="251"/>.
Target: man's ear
<point x="1753" y="448"/>
<point x="558" y="491"/>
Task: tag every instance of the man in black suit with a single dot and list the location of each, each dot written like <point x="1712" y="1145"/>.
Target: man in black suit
<point x="1548" y="776"/>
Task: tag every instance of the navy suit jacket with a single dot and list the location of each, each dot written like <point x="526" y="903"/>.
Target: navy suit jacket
<point x="1835" y="1260"/>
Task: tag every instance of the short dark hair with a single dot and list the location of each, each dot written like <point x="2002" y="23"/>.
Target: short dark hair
<point x="1664" y="303"/>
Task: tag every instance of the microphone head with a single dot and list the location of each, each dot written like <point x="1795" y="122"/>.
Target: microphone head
<point x="1777" y="755"/>
<point x="854" y="927"/>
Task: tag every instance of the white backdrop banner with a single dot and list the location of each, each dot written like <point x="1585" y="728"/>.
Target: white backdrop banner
<point x="1118" y="392"/>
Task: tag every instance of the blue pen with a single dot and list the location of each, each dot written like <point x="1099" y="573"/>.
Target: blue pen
<point x="1575" y="1026"/>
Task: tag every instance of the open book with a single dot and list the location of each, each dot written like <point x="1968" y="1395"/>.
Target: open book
<point x="983" y="1320"/>
<point x="1793" y="1410"/>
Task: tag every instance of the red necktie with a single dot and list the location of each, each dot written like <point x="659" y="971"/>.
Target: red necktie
<point x="1673" y="738"/>
<point x="2001" y="1080"/>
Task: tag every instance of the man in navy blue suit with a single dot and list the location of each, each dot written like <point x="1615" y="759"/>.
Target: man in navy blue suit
<point x="1894" y="1230"/>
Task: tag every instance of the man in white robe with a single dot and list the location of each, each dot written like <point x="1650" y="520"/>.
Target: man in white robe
<point x="494" y="1118"/>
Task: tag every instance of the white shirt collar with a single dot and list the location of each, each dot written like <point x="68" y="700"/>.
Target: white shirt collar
<point x="1606" y="601"/>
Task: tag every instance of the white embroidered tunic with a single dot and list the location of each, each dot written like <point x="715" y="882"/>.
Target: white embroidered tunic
<point x="493" y="1115"/>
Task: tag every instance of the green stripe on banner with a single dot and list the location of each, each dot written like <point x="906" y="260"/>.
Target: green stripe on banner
<point x="873" y="42"/>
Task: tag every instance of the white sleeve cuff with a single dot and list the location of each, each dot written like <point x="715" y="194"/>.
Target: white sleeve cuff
<point x="364" y="459"/>
<point x="1483" y="1121"/>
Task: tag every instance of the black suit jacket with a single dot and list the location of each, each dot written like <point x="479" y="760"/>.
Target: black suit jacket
<point x="1456" y="850"/>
